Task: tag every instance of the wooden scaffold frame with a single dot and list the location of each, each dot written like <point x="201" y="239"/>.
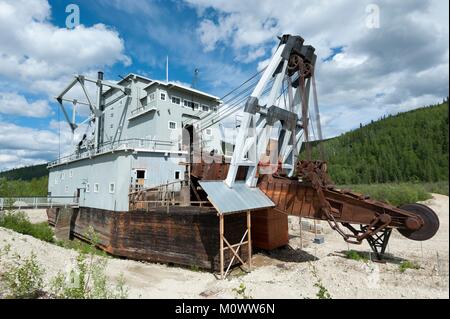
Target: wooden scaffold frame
<point x="234" y="248"/>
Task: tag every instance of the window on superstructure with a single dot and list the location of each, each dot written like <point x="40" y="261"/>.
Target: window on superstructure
<point x="176" y="100"/>
<point x="112" y="188"/>
<point x="71" y="173"/>
<point x="88" y="188"/>
<point x="177" y="175"/>
<point x="96" y="187"/>
<point x="172" y="125"/>
<point x="151" y="97"/>
<point x="140" y="174"/>
<point x="162" y="96"/>
<point x="205" y="108"/>
<point x="191" y="105"/>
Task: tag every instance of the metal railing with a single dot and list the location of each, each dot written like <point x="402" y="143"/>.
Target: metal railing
<point x="144" y="108"/>
<point x="128" y="144"/>
<point x="37" y="202"/>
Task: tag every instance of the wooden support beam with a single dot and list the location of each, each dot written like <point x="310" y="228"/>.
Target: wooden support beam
<point x="235" y="252"/>
<point x="235" y="247"/>
<point x="221" y="232"/>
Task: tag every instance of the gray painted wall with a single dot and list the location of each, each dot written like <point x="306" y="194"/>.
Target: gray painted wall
<point x="113" y="168"/>
<point x="123" y="122"/>
<point x="126" y="118"/>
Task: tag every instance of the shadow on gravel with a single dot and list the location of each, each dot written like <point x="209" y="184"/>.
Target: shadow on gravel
<point x="366" y="256"/>
<point x="288" y="254"/>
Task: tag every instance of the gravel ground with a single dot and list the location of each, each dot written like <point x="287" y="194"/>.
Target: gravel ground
<point x="290" y="272"/>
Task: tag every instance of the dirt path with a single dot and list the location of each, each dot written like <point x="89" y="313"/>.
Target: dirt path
<point x="284" y="273"/>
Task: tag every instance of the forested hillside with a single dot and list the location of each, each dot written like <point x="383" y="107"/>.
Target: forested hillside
<point x="408" y="147"/>
<point x="25" y="181"/>
<point x="19" y="188"/>
<point x="26" y="173"/>
<point x="411" y="146"/>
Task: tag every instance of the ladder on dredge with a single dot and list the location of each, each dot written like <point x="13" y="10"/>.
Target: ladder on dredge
<point x="279" y="180"/>
<point x="263" y="176"/>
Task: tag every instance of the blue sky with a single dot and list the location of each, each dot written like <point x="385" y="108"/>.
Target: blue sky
<point x="154" y="31"/>
<point x="364" y="71"/>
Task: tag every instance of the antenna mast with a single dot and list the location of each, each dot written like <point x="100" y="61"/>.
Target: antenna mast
<point x="167" y="69"/>
<point x="195" y="79"/>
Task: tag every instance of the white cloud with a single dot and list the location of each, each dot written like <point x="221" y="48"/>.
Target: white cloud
<point x="394" y="68"/>
<point x="239" y="30"/>
<point x="210" y="34"/>
<point x="15" y="104"/>
<point x="38" y="58"/>
<point x="40" y="54"/>
<point x="20" y="145"/>
<point x="345" y="60"/>
<point x="252" y="55"/>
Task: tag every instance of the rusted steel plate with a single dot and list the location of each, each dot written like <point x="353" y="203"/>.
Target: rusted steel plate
<point x="269" y="229"/>
<point x="185" y="235"/>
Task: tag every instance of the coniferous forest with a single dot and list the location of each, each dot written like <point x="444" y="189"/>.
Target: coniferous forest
<point x="404" y="148"/>
<point x="408" y="147"/>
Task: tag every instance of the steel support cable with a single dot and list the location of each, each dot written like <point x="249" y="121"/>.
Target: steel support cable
<point x="237" y="106"/>
<point x="316" y="110"/>
<point x="228" y="110"/>
<point x="237" y="88"/>
<point x="227" y="107"/>
<point x="235" y="109"/>
<point x="224" y="108"/>
<point x="254" y="76"/>
<point x="231" y="111"/>
<point x="267" y="90"/>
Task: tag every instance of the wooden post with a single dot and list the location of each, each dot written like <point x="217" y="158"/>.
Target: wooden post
<point x="221" y="234"/>
<point x="249" y="239"/>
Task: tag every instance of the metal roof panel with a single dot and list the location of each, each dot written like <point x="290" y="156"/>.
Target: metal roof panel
<point x="237" y="199"/>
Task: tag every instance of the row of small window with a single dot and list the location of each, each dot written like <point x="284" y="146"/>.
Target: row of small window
<point x="142" y="173"/>
<point x="62" y="176"/>
<point x="173" y="126"/>
<point x="186" y="103"/>
<point x="111" y="188"/>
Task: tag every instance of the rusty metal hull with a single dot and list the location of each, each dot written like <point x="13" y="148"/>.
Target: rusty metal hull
<point x="297" y="198"/>
<point x="184" y="236"/>
<point x="269" y="229"/>
<point x="311" y="194"/>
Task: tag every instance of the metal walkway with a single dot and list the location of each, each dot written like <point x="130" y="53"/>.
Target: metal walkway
<point x="37" y="202"/>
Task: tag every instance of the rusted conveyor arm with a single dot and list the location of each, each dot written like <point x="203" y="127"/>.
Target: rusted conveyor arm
<point x="312" y="195"/>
